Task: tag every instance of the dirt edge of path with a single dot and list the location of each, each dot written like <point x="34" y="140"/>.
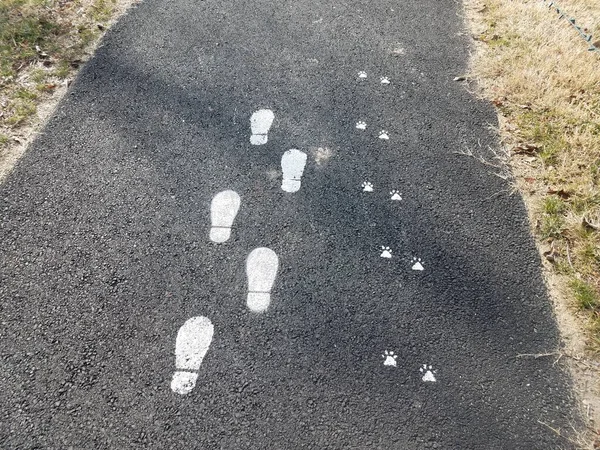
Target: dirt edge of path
<point x="21" y="137"/>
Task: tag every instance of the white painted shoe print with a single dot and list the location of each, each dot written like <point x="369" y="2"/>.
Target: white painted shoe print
<point x="261" y="269"/>
<point x="367" y="187"/>
<point x="260" y="124"/>
<point x="292" y="165"/>
<point x="390" y="358"/>
<point x="223" y="210"/>
<point x="428" y="373"/>
<point x="383" y="135"/>
<point x="360" y="125"/>
<point x="395" y="195"/>
<point x="386" y="252"/>
<point x="191" y="345"/>
<point x="416" y="264"/>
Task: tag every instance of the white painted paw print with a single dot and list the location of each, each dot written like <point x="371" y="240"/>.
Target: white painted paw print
<point x="367" y="187"/>
<point x="428" y="373"/>
<point x="384" y="80"/>
<point x="416" y="264"/>
<point x="383" y="135"/>
<point x="395" y="195"/>
<point x="360" y="125"/>
<point x="386" y="252"/>
<point x="390" y="358"/>
<point x="362" y="74"/>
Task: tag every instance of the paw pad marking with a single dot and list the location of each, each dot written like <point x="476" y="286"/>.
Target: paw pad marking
<point x="386" y="252"/>
<point x="428" y="373"/>
<point x="416" y="264"/>
<point x="395" y="195"/>
<point x="390" y="358"/>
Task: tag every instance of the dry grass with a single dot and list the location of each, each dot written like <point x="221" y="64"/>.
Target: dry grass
<point x="546" y="84"/>
<point x="42" y="44"/>
<point x="538" y="72"/>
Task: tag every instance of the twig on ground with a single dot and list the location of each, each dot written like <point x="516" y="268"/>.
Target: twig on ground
<point x="560" y="355"/>
<point x="537" y="355"/>
<point x="540" y="355"/>
<point x="553" y="429"/>
<point x="510" y="192"/>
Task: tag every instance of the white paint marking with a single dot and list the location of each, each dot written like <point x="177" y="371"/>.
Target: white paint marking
<point x="261" y="268"/>
<point x="428" y="373"/>
<point x="387" y="252"/>
<point x="360" y="125"/>
<point x="292" y="165"/>
<point x="362" y="74"/>
<point x="383" y="135"/>
<point x="390" y="358"/>
<point x="384" y="80"/>
<point x="367" y="187"/>
<point x="191" y="345"/>
<point x="223" y="209"/>
<point x="260" y="124"/>
<point x="416" y="264"/>
<point x="395" y="195"/>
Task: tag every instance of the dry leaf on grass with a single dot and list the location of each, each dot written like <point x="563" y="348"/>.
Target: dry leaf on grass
<point x="560" y="192"/>
<point x="526" y="149"/>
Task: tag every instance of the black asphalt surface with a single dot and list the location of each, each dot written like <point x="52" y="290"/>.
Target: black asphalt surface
<point x="105" y="251"/>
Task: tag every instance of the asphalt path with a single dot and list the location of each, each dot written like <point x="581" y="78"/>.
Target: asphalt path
<point x="106" y="248"/>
